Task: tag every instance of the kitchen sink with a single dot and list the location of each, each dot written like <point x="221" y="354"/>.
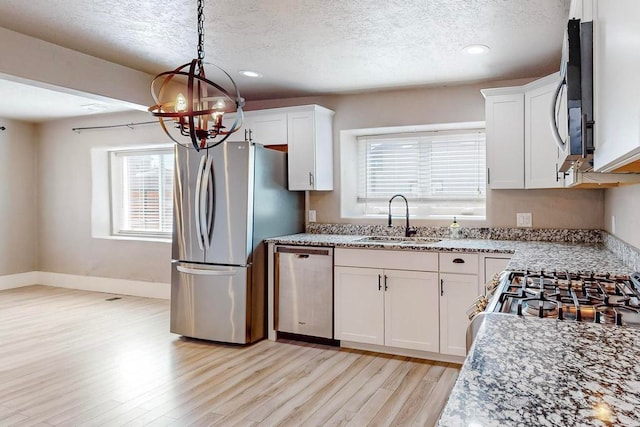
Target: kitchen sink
<point x="399" y="240"/>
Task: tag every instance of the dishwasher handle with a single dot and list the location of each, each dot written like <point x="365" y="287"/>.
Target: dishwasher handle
<point x="302" y="252"/>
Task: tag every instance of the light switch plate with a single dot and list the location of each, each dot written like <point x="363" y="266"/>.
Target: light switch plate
<point x="523" y="219"/>
<point x="312" y="216"/>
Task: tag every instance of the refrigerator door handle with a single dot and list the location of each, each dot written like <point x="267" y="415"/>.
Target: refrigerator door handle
<point x="197" y="201"/>
<point x="206" y="203"/>
<point x="206" y="271"/>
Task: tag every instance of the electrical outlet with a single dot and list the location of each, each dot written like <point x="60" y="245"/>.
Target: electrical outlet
<point x="312" y="216"/>
<point x="523" y="219"/>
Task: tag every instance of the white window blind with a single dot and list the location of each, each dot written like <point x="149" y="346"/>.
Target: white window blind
<point x="440" y="173"/>
<point x="142" y="192"/>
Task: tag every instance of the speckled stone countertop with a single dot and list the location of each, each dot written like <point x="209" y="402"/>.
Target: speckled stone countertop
<point x="532" y="255"/>
<point x="526" y="371"/>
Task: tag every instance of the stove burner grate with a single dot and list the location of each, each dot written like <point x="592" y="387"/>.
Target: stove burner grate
<point x="581" y="296"/>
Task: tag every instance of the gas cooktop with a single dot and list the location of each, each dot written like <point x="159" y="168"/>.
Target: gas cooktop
<point x="582" y="296"/>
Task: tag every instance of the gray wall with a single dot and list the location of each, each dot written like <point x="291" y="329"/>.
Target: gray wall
<point x="66" y="242"/>
<point x="18" y="201"/>
<point x="63" y="182"/>
<point x="550" y="208"/>
<point x="624" y="204"/>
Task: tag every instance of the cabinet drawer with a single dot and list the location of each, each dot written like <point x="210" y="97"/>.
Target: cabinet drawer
<point x="459" y="263"/>
<point x="395" y="260"/>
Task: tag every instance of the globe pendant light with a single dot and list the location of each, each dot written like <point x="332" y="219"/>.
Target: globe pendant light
<point x="190" y="106"/>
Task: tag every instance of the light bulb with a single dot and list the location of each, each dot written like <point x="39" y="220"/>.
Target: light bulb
<point x="181" y="103"/>
<point x="219" y="104"/>
<point x="217" y="119"/>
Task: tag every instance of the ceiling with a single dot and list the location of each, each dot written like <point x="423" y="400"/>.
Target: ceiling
<point x="308" y="47"/>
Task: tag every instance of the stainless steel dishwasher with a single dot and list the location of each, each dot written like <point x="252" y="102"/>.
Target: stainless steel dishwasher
<point x="304" y="290"/>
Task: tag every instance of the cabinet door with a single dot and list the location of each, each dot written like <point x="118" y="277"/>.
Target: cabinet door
<point x="301" y="137"/>
<point x="269" y="129"/>
<point x="457" y="293"/>
<point x="541" y="152"/>
<point x="359" y="305"/>
<point x="616" y="85"/>
<point x="505" y="140"/>
<point x="240" y="134"/>
<point x="493" y="266"/>
<point x="411" y="310"/>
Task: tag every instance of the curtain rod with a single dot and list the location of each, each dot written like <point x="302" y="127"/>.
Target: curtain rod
<point x="128" y="125"/>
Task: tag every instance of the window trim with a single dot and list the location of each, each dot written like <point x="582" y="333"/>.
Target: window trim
<point x="115" y="180"/>
<point x="349" y="208"/>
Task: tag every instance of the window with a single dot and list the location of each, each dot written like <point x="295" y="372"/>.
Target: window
<point x="441" y="173"/>
<point x="142" y="192"/>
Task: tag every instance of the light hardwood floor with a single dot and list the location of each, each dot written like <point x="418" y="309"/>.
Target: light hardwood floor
<point x="71" y="357"/>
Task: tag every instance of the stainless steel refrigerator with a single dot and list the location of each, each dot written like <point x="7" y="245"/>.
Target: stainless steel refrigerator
<point x="226" y="201"/>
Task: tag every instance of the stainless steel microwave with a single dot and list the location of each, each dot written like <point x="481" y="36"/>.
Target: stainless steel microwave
<point x="576" y="72"/>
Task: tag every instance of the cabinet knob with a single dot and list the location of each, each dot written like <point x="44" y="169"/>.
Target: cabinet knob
<point x="379" y="282"/>
<point x="441" y="287"/>
<point x="311" y="179"/>
<point x="458" y="261"/>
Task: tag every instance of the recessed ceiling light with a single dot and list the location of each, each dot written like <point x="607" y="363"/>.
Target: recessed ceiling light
<point x="248" y="73"/>
<point x="476" y="49"/>
<point x="94" y="108"/>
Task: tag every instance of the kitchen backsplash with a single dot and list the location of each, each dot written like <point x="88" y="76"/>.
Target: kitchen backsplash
<point x="534" y="234"/>
<point x="629" y="255"/>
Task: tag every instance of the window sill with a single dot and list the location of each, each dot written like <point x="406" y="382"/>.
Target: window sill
<point x="136" y="238"/>
<point x="419" y="218"/>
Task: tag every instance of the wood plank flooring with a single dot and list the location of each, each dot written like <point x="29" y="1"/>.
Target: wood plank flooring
<point x="72" y="358"/>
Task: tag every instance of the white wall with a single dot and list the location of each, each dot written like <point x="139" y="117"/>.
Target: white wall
<point x="624" y="204"/>
<point x="549" y="208"/>
<point x="62" y="243"/>
<point x="43" y="64"/>
<point x="18" y="203"/>
<point x="64" y="196"/>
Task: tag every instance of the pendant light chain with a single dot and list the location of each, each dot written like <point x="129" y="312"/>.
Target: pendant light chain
<point x="195" y="105"/>
<point x="201" y="30"/>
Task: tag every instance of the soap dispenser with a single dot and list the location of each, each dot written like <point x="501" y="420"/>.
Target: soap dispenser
<point x="454" y="229"/>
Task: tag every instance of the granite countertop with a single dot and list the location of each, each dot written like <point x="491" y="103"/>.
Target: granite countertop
<point x="532" y="255"/>
<point x="527" y="371"/>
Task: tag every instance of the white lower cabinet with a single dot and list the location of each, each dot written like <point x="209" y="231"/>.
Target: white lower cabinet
<point x="457" y="293"/>
<point x="359" y="305"/>
<point x="395" y="308"/>
<point x="411" y="310"/>
<point x="405" y="299"/>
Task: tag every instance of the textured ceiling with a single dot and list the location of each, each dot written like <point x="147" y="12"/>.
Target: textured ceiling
<point x="21" y="101"/>
<point x="308" y="47"/>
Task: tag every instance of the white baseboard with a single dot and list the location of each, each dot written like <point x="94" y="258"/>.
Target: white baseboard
<point x="19" y="280"/>
<point x="439" y="357"/>
<point x="88" y="283"/>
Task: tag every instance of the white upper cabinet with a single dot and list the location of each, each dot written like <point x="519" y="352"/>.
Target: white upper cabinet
<point x="541" y="153"/>
<point x="504" y="115"/>
<point x="521" y="151"/>
<point x="308" y="133"/>
<point x="267" y="128"/>
<point x="616" y="48"/>
<point x="310" y="136"/>
<point x="262" y="127"/>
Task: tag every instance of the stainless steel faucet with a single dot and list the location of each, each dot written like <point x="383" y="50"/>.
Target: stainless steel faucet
<point x="408" y="231"/>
